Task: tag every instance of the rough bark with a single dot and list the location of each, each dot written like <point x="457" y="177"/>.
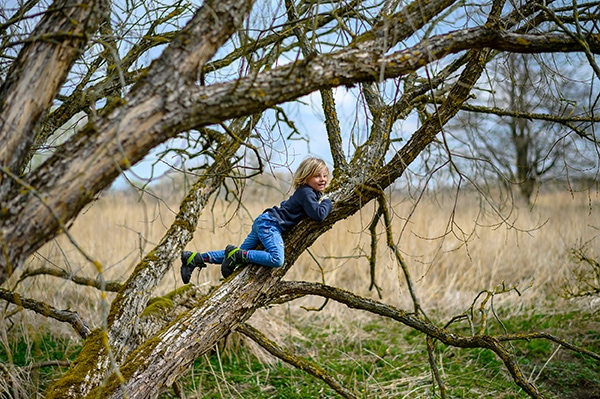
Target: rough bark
<point x="160" y="360"/>
<point x="129" y="130"/>
<point x="135" y="355"/>
<point x="125" y="331"/>
<point x="43" y="64"/>
<point x="159" y="106"/>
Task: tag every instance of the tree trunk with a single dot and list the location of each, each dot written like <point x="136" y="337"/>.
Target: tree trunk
<point x="120" y="359"/>
<point x="89" y="162"/>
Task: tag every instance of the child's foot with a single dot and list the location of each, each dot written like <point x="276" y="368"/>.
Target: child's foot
<point x="234" y="257"/>
<point x="190" y="261"/>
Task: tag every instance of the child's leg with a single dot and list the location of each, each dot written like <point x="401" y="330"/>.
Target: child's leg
<point x="215" y="257"/>
<point x="267" y="231"/>
<point x="252" y="240"/>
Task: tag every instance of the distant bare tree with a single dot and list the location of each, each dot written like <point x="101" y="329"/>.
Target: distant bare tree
<point x="546" y="116"/>
<point x="90" y="88"/>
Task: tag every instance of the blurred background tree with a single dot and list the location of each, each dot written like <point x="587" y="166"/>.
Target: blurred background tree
<point x="533" y="122"/>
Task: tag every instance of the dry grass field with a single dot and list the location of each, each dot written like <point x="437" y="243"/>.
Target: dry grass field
<point x="454" y="249"/>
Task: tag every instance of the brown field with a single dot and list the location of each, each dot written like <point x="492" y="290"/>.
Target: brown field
<point x="453" y="250"/>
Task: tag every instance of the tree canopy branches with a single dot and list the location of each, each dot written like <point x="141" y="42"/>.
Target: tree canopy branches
<point x="115" y="81"/>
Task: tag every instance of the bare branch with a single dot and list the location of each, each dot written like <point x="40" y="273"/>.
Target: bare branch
<point x="373" y="256"/>
<point x="434" y="367"/>
<point x="111" y="286"/>
<point x="549" y="337"/>
<point x="530" y="115"/>
<point x="392" y="245"/>
<point x="332" y="123"/>
<point x="46" y="310"/>
<point x="296" y="361"/>
<point x="295" y="290"/>
<point x="43" y="64"/>
<point x="578" y="37"/>
<point x="49" y="363"/>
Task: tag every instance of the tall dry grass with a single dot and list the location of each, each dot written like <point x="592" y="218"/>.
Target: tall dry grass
<point x="454" y="249"/>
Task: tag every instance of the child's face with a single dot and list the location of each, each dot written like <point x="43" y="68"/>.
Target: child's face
<point x="319" y="180"/>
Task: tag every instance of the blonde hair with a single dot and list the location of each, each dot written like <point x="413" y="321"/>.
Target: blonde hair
<point x="307" y="169"/>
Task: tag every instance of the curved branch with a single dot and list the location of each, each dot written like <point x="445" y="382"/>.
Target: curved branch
<point x="300" y="363"/>
<point x="46" y="310"/>
<point x="111" y="286"/>
<point x="295" y="290"/>
<point x="549" y="337"/>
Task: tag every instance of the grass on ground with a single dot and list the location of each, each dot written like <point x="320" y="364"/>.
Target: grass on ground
<point x="373" y="357"/>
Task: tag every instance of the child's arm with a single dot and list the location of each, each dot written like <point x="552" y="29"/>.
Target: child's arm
<point x="314" y="209"/>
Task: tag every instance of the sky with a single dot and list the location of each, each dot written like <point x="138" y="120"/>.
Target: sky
<point x="309" y="119"/>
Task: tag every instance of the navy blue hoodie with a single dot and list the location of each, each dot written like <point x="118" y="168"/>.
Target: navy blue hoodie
<point x="304" y="202"/>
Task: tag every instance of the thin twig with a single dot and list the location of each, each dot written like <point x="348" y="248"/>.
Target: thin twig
<point x="434" y="366"/>
<point x="392" y="245"/>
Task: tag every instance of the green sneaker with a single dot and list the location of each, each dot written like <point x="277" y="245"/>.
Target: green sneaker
<point x="190" y="261"/>
<point x="234" y="257"/>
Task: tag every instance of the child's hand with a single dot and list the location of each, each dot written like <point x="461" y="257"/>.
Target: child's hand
<point x="324" y="197"/>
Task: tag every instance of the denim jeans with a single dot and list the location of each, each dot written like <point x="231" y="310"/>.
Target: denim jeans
<point x="265" y="231"/>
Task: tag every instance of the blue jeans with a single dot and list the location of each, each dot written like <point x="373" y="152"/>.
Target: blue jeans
<point x="265" y="231"/>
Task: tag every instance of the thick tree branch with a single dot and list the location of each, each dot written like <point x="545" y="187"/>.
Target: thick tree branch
<point x="43" y="64"/>
<point x="136" y="292"/>
<point x="207" y="31"/>
<point x="83" y="98"/>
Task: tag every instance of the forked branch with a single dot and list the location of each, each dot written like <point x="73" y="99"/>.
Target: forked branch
<point x="294" y="290"/>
